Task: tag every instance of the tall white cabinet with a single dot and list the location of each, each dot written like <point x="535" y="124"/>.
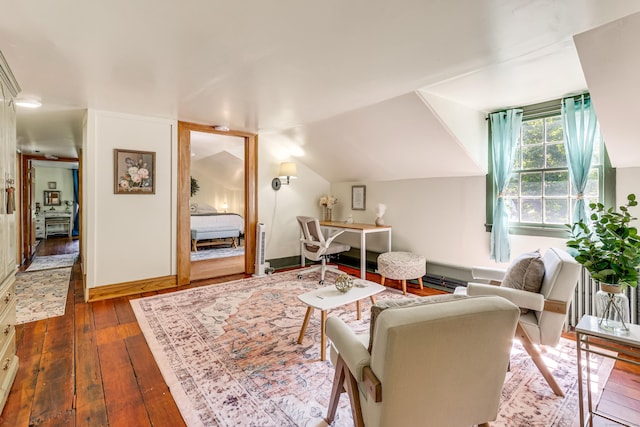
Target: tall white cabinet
<point x="8" y="215"/>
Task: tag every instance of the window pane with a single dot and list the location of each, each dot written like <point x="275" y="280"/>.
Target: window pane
<point x="597" y="158"/>
<point x="531" y="210"/>
<point x="556" y="211"/>
<point x="556" y="183"/>
<point x="512" y="209"/>
<point x="591" y="190"/>
<point x="554" y="129"/>
<point x="531" y="184"/>
<point x="533" y="157"/>
<point x="556" y="156"/>
<point x="513" y="189"/>
<point x="516" y="164"/>
<point x="533" y="132"/>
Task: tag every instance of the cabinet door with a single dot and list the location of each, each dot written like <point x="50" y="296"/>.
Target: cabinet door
<point x="10" y="173"/>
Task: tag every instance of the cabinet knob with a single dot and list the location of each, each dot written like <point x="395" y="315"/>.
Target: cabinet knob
<point x="7" y="363"/>
<point x="7" y="298"/>
<point x="7" y="329"/>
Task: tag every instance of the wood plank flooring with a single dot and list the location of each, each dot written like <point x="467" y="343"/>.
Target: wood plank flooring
<point x="93" y="367"/>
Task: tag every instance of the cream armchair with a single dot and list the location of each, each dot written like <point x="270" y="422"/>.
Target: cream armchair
<point x="437" y="364"/>
<point x="543" y="323"/>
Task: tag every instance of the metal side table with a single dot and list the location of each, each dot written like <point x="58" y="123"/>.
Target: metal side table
<point x="591" y="339"/>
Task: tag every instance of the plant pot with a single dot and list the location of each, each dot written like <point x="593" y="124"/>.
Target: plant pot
<point x="327" y="213"/>
<point x="612" y="309"/>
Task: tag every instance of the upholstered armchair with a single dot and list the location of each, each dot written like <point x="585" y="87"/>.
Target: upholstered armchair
<point x="442" y="363"/>
<point x="543" y="311"/>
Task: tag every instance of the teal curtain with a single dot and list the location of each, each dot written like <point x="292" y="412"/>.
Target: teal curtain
<point x="580" y="126"/>
<point x="505" y="129"/>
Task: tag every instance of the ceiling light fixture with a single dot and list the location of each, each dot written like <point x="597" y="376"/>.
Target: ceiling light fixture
<point x="28" y="102"/>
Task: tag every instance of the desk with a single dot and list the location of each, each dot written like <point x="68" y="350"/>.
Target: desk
<point x="362" y="230"/>
<point x="586" y="330"/>
<point x="57" y="223"/>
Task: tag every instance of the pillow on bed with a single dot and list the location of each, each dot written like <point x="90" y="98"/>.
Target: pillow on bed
<point x="193" y="207"/>
<point x="205" y="208"/>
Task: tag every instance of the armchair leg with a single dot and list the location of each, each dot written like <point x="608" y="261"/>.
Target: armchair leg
<point x="537" y="359"/>
<point x="342" y="374"/>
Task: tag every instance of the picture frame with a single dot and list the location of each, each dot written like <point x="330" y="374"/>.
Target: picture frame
<point x="52" y="198"/>
<point x="359" y="197"/>
<point x="52" y="185"/>
<point x="134" y="172"/>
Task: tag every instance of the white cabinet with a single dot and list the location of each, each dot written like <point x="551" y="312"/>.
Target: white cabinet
<point x="8" y="217"/>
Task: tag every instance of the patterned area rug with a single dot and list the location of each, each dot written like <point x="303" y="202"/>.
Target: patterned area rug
<point x="216" y="253"/>
<point x="229" y="355"/>
<point x="51" y="261"/>
<point x="41" y="294"/>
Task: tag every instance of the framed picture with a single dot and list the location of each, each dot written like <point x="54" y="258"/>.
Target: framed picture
<point x="52" y="185"/>
<point x="359" y="197"/>
<point x="52" y="198"/>
<point x="134" y="172"/>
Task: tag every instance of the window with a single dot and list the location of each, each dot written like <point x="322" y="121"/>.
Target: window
<point x="540" y="197"/>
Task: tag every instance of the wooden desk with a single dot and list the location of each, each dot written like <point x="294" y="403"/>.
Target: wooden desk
<point x="362" y="230"/>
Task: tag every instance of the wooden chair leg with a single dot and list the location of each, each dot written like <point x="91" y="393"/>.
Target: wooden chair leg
<point x="344" y="377"/>
<point x="537" y="359"/>
<point x="420" y="282"/>
<point x="404" y="286"/>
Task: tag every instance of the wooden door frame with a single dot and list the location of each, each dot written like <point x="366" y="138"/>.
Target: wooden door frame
<point x="25" y="220"/>
<point x="184" y="192"/>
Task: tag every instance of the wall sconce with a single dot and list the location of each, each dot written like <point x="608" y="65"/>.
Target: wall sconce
<point x="287" y="172"/>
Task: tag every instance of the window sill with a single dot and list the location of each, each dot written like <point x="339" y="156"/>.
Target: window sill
<point x="531" y="230"/>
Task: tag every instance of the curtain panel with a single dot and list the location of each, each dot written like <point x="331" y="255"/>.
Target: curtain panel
<point x="505" y="129"/>
<point x="580" y="127"/>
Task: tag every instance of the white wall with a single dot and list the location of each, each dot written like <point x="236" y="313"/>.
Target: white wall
<point x="64" y="183"/>
<point x="278" y="209"/>
<point x="128" y="237"/>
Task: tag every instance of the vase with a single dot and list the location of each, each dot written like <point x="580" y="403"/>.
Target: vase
<point x="612" y="309"/>
<point x="327" y="213"/>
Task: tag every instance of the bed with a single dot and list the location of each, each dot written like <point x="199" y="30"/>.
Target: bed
<point x="211" y="228"/>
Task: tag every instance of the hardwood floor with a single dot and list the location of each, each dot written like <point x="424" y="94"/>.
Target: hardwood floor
<point x="92" y="366"/>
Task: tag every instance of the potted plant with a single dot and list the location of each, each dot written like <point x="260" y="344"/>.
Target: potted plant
<point x="609" y="248"/>
<point x="195" y="187"/>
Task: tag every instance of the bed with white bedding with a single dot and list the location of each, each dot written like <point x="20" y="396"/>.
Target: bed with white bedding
<point x="211" y="226"/>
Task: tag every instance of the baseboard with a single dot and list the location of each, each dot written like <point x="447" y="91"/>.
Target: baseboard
<point x="131" y="288"/>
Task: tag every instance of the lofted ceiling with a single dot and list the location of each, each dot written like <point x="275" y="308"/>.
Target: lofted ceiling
<point x="385" y="83"/>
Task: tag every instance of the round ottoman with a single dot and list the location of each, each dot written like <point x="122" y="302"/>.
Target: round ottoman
<point x="402" y="266"/>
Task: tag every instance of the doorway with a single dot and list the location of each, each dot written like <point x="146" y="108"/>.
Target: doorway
<point x="217" y="220"/>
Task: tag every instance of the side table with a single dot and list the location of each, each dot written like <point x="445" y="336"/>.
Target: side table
<point x="591" y="339"/>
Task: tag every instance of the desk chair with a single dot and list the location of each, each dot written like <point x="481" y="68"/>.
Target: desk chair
<point x="316" y="248"/>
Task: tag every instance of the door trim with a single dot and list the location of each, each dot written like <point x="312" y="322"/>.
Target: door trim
<point x="184" y="191"/>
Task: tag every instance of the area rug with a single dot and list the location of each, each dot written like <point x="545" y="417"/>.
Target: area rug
<point x="216" y="253"/>
<point x="41" y="294"/>
<point x="50" y="262"/>
<point x="229" y="355"/>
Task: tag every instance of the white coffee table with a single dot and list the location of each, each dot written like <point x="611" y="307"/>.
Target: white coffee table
<point x="329" y="297"/>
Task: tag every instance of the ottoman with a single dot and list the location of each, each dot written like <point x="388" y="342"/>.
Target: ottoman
<point x="402" y="266"/>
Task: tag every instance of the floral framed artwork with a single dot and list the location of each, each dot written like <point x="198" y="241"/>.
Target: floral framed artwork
<point x="52" y="198"/>
<point x="359" y="197"/>
<point x="134" y="172"/>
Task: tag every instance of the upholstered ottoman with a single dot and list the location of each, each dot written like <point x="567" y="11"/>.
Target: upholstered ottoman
<point x="402" y="266"/>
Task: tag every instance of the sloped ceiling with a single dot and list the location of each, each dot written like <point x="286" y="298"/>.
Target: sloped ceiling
<point x="611" y="63"/>
<point x="327" y="77"/>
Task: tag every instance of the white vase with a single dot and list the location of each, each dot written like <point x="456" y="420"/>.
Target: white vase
<point x="612" y="309"/>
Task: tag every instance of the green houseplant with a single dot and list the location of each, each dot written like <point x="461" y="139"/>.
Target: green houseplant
<point x="195" y="187"/>
<point x="609" y="248"/>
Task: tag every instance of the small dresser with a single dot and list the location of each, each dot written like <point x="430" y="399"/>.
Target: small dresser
<point x="40" y="226"/>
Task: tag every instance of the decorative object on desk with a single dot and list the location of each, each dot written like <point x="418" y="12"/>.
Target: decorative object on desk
<point x="68" y="204"/>
<point x="344" y="283"/>
<point x="328" y="202"/>
<point x="37" y="208"/>
<point x="349" y="220"/>
<point x="134" y="172"/>
<point x="52" y="198"/>
<point x="52" y="185"/>
<point x="195" y="187"/>
<point x="609" y="248"/>
<point x="358" y="197"/>
<point x="380" y="210"/>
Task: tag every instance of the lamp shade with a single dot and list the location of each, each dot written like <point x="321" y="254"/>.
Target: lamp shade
<point x="288" y="170"/>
